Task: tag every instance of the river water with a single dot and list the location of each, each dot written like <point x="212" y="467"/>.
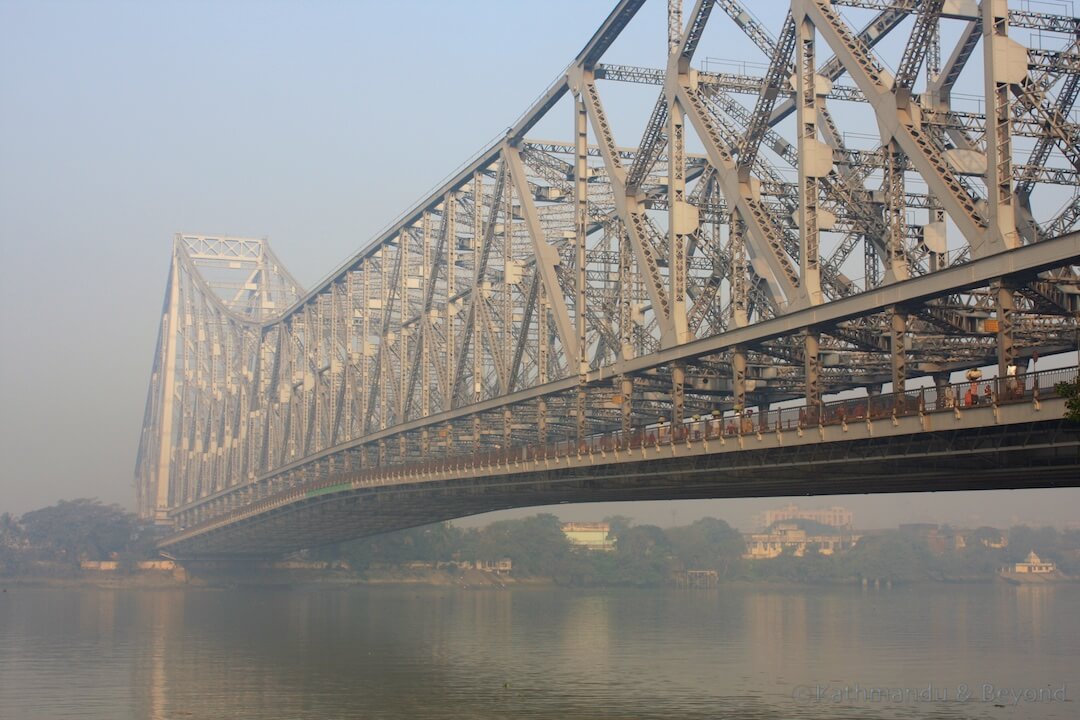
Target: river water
<point x="947" y="651"/>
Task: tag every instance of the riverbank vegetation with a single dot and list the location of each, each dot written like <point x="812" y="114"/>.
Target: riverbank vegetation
<point x="56" y="540"/>
<point x="647" y="555"/>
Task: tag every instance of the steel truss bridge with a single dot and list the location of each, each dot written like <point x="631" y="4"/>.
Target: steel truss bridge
<point x="710" y="311"/>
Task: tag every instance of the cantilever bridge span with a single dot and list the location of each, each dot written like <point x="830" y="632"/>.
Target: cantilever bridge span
<point x="713" y="310"/>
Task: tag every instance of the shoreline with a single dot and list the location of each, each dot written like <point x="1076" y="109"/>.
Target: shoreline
<point x="474" y="580"/>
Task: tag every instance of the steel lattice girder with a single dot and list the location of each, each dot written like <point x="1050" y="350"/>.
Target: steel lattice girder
<point x="557" y="288"/>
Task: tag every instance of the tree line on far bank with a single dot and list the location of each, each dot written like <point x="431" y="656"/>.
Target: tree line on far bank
<point x="647" y="555"/>
<point x="57" y="538"/>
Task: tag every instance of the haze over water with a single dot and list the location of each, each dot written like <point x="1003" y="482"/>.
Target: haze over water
<point x="737" y="652"/>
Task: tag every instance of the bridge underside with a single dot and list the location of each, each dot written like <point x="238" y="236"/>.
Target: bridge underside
<point x="891" y="457"/>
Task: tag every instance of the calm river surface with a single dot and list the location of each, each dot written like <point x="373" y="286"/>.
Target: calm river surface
<point x="742" y="652"/>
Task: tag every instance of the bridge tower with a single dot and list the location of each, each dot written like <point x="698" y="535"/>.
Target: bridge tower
<point x="218" y="292"/>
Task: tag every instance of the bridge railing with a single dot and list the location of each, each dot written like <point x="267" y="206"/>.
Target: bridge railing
<point x="952" y="398"/>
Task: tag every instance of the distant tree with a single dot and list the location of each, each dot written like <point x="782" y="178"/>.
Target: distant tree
<point x="12" y="537"/>
<point x="707" y="544"/>
<point x="11" y="532"/>
<point x="1070" y="539"/>
<point x="986" y="536"/>
<point x="75" y="529"/>
<point x="618" y="524"/>
<point x="1071" y="392"/>
<point x="889" y="556"/>
<point x="536" y="545"/>
<point x="812" y="567"/>
<point x="643" y="556"/>
<point x="1044" y="541"/>
<point x="1069" y="562"/>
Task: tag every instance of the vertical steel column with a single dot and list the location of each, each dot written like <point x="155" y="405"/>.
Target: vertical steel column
<point x="350" y="393"/>
<point x="871" y="273"/>
<point x="674" y="25"/>
<point x="737" y="252"/>
<point x="365" y="340"/>
<point x="384" y="350"/>
<point x="738" y="370"/>
<point x="1004" y="306"/>
<point x="933" y="71"/>
<point x="507" y="348"/>
<point x="334" y="342"/>
<point x="895" y="214"/>
<point x="581" y="218"/>
<point x="815" y="161"/>
<point x="425" y="324"/>
<point x="626" y="392"/>
<point x="450" y="218"/>
<point x="812" y="366"/>
<point x="541" y="420"/>
<point x="403" y="333"/>
<point x="678" y="383"/>
<point x="162" y="494"/>
<point x="682" y="221"/>
<point x="626" y="295"/>
<point x="477" y="286"/>
<point x="897" y="339"/>
<point x="1004" y="62"/>
<point x="541" y="361"/>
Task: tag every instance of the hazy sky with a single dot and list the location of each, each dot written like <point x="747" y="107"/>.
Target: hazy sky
<point x="311" y="123"/>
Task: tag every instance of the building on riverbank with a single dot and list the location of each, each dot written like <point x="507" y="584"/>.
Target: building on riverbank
<point x="835" y="516"/>
<point x="793" y="540"/>
<point x="1032" y="565"/>
<point x="591" y="536"/>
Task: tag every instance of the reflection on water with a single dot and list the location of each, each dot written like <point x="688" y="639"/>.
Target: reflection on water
<point x="398" y="653"/>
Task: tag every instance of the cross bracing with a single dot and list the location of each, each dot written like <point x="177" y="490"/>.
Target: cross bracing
<point x="749" y="247"/>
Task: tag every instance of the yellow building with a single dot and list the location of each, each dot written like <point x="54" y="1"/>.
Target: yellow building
<point x="793" y="539"/>
<point x="591" y="536"/>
